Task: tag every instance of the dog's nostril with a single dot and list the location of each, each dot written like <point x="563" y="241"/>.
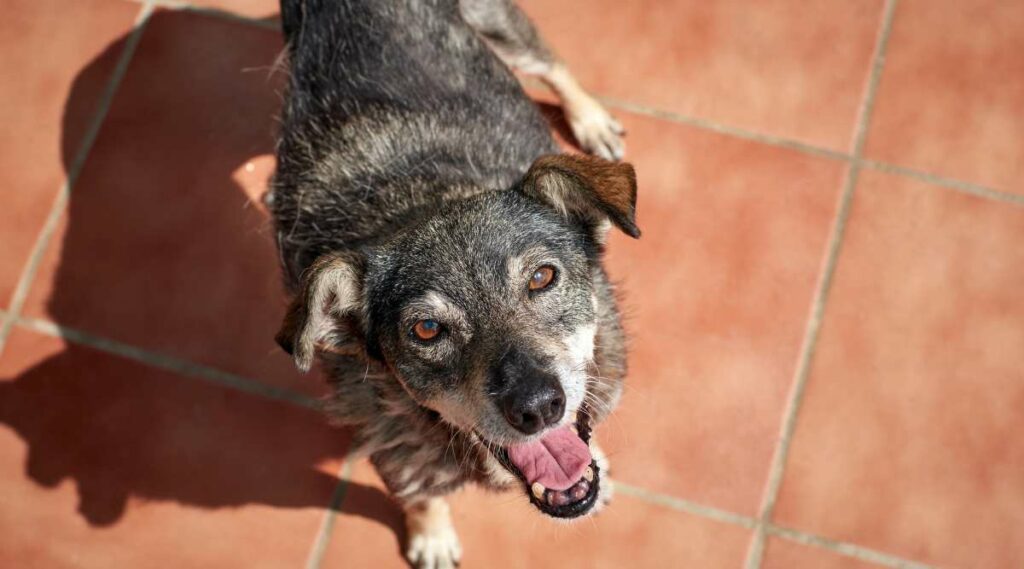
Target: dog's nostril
<point x="532" y="422"/>
<point x="555" y="408"/>
<point x="525" y="421"/>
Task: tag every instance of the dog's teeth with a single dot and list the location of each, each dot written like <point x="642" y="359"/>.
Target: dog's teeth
<point x="560" y="498"/>
<point x="538" y="490"/>
<point x="588" y="474"/>
<point x="575" y="416"/>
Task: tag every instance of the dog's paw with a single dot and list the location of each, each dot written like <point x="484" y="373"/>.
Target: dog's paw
<point x="432" y="540"/>
<point x="595" y="128"/>
<point x="436" y="548"/>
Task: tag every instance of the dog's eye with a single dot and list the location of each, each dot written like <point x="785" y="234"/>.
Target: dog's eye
<point x="542" y="278"/>
<point x="426" y="330"/>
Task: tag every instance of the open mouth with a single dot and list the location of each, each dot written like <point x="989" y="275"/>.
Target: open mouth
<point x="558" y="473"/>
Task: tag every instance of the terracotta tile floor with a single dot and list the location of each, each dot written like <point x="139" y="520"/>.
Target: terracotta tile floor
<point x="827" y="305"/>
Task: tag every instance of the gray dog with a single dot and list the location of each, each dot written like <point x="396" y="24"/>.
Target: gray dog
<point x="445" y="259"/>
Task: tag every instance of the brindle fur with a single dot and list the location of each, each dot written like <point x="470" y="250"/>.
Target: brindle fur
<point x="404" y="162"/>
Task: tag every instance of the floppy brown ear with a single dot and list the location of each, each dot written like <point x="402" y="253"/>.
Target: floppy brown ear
<point x="587" y="187"/>
<point x="323" y="310"/>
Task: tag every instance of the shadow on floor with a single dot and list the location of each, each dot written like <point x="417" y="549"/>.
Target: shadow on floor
<point x="118" y="429"/>
<point x="164" y="248"/>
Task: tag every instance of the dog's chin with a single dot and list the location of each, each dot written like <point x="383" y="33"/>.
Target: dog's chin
<point x="580" y="499"/>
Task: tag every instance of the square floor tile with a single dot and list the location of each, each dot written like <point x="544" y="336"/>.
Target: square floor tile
<point x="786" y="68"/>
<point x="716" y="294"/>
<point x="784" y="554"/>
<point x="106" y="462"/>
<point x="165" y="244"/>
<point x="50" y="90"/>
<point x="504" y="531"/>
<point x="908" y="440"/>
<point x="951" y="99"/>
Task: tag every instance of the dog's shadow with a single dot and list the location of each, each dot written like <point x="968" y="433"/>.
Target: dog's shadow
<point x="160" y="237"/>
<point x="133" y="264"/>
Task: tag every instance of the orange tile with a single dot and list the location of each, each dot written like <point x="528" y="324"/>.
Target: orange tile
<point x="908" y="440"/>
<point x="42" y="125"/>
<point x="165" y="245"/>
<point x="503" y="530"/>
<point x="369" y="531"/>
<point x="951" y="99"/>
<point x="105" y="462"/>
<point x="786" y="68"/>
<point x="264" y="9"/>
<point x="783" y="554"/>
<point x="716" y="295"/>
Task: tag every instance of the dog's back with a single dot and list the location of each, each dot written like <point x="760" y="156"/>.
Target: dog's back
<point x="394" y="107"/>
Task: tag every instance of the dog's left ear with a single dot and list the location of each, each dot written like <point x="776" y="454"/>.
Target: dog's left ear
<point x="586" y="188"/>
<point x="325" y="309"/>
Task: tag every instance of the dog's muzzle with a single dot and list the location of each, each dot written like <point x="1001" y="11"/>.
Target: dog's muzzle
<point x="557" y="471"/>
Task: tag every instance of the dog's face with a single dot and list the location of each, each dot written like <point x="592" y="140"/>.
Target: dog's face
<point x="483" y="309"/>
<point x="487" y="314"/>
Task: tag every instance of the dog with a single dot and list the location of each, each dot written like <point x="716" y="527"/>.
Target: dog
<point x="444" y="259"/>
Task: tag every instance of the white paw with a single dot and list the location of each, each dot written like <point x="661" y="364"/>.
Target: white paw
<point x="596" y="129"/>
<point x="434" y="548"/>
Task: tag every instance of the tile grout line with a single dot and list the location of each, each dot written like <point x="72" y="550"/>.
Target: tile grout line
<point x="818" y="151"/>
<point x="42" y="242"/>
<point x="169" y="363"/>
<point x="12" y="318"/>
<point x="777" y="468"/>
<point x="716" y="127"/>
<point x="679" y="118"/>
<point x="326" y="531"/>
<point x="948" y="183"/>
<point x="683" y="505"/>
<point x="253" y="387"/>
<point x="796" y="536"/>
<point x="843" y="548"/>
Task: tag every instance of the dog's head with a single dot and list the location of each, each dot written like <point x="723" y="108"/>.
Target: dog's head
<point x="487" y="314"/>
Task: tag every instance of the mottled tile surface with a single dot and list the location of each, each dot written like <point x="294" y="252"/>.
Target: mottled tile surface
<point x="787" y="68"/>
<point x="951" y="101"/>
<point x="716" y="294"/>
<point x="154" y="432"/>
<point x="43" y="128"/>
<point x="783" y="554"/>
<point x="111" y="463"/>
<point x="909" y="428"/>
<point x="188" y="265"/>
<point x="503" y="530"/>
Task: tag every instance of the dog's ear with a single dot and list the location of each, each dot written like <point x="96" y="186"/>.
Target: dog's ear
<point x="587" y="188"/>
<point x="324" y="310"/>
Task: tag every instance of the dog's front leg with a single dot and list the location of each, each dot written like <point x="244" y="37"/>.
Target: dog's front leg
<point x="432" y="543"/>
<point x="512" y="36"/>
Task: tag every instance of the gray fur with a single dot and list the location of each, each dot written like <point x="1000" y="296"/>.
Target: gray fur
<point x="403" y="151"/>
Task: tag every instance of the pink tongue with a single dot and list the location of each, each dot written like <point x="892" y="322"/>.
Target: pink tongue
<point x="557" y="460"/>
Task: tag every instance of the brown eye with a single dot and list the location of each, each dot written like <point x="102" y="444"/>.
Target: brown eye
<point x="542" y="278"/>
<point x="427" y="329"/>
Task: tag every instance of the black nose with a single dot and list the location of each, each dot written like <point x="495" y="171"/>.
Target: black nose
<point x="533" y="412"/>
<point x="531" y="397"/>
